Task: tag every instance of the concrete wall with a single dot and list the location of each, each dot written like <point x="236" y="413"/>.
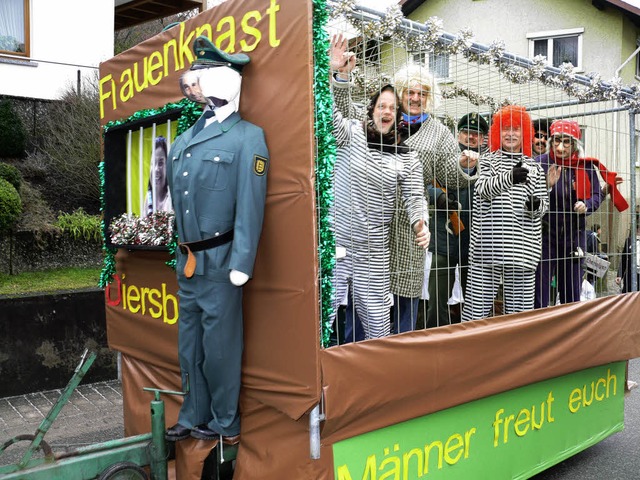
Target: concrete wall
<point x="28" y="251"/>
<point x="42" y="338"/>
<point x="75" y="34"/>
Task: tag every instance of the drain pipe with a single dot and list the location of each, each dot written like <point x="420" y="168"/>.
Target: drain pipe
<point x="315" y="417"/>
<point x="616" y="116"/>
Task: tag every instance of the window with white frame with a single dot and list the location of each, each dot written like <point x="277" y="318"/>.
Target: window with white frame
<point x="14" y="27"/>
<point x="438" y="63"/>
<point x="559" y="46"/>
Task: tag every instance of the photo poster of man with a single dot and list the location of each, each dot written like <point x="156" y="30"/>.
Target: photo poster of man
<point x="147" y="153"/>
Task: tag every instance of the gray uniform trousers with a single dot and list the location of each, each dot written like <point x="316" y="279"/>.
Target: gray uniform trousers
<point x="210" y="350"/>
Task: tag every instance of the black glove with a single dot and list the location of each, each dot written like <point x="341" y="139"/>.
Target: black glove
<point x="446" y="201"/>
<point x="519" y="173"/>
<point x="532" y="203"/>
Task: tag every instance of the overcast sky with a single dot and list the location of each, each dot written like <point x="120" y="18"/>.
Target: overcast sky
<point x="380" y="5"/>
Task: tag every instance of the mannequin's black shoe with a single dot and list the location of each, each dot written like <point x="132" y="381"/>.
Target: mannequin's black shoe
<point x="177" y="432"/>
<point x="203" y="432"/>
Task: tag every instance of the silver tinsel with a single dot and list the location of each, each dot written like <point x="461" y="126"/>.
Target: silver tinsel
<point x="341" y="8"/>
<point x="462" y="42"/>
<point x="433" y="41"/>
<point x="473" y="97"/>
<point x="391" y="21"/>
<point x="155" y="229"/>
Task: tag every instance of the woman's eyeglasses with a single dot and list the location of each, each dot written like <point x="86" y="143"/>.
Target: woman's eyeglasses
<point x="566" y="142"/>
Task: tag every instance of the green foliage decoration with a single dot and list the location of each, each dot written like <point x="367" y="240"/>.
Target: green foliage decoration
<point x="13" y="136"/>
<point x="10" y="206"/>
<point x="80" y="226"/>
<point x="325" y="159"/>
<point x="11" y="174"/>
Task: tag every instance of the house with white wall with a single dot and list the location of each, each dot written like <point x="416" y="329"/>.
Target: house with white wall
<point x="595" y="35"/>
<point x="45" y="45"/>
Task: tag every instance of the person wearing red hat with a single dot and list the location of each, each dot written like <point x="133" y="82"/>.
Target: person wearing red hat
<point x="510" y="199"/>
<point x="575" y="193"/>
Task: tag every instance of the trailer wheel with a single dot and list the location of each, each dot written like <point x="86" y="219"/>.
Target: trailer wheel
<point x="123" y="471"/>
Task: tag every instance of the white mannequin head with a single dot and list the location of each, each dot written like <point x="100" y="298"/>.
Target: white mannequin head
<point x="222" y="83"/>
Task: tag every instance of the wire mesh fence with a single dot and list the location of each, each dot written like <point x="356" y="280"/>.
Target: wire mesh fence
<point x="471" y="117"/>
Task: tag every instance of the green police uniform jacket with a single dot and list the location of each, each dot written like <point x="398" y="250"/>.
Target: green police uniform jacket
<point x="218" y="182"/>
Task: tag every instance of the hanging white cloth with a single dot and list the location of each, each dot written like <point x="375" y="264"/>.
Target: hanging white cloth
<point x="427" y="268"/>
<point x="456" y="292"/>
<point x="587" y="292"/>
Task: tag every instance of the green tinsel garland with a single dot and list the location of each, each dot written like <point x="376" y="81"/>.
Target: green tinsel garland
<point x="109" y="261"/>
<point x="191" y="111"/>
<point x="324" y="164"/>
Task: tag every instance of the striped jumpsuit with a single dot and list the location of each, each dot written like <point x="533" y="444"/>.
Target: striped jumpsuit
<point x="366" y="182"/>
<point x="506" y="238"/>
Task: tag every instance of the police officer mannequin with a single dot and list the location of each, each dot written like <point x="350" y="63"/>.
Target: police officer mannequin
<point x="217" y="177"/>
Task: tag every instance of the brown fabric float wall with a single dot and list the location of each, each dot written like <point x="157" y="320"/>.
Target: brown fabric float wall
<point x="283" y="294"/>
<point x="284" y="367"/>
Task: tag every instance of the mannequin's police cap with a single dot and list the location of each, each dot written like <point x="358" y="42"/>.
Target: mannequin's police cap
<point x="208" y="55"/>
<point x="473" y="121"/>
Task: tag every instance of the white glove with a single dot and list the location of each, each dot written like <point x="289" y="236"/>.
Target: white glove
<point x="238" y="278"/>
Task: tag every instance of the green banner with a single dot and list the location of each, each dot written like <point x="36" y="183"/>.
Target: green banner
<point x="515" y="434"/>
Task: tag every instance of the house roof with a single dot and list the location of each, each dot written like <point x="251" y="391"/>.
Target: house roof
<point x="630" y="7"/>
<point x="134" y="12"/>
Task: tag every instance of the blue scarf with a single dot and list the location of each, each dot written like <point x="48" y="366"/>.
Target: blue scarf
<point x="411" y="119"/>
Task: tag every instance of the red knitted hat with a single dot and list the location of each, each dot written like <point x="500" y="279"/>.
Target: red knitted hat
<point x="511" y="116"/>
<point x="566" y="127"/>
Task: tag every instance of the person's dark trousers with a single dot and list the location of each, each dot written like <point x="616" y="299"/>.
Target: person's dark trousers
<point x="404" y="313"/>
<point x="403" y="316"/>
<point x="352" y="325"/>
<point x="441" y="279"/>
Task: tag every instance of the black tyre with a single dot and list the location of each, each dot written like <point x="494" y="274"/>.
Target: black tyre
<point x="123" y="471"/>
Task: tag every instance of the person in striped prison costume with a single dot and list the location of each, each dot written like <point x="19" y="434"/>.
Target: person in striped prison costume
<point x="439" y="155"/>
<point x="370" y="168"/>
<point x="510" y="199"/>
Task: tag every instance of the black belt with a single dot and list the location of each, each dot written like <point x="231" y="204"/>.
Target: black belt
<point x="207" y="243"/>
<point x="187" y="248"/>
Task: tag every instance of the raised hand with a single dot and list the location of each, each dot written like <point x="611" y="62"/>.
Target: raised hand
<point x="340" y="60"/>
<point x="553" y="175"/>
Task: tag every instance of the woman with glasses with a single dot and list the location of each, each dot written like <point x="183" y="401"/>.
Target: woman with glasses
<point x="574" y="194"/>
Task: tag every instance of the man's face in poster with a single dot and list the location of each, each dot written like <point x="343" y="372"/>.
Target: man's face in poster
<point x="190" y="85"/>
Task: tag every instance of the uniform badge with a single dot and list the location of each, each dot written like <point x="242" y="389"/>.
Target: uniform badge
<point x="259" y="165"/>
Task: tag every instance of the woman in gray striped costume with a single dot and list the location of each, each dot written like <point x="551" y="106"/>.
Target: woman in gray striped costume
<point x="370" y="167"/>
<point x="510" y="199"/>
